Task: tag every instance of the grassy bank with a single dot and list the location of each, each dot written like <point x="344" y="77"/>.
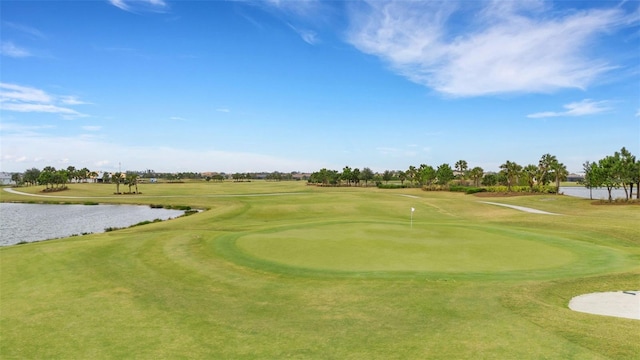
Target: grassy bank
<point x="275" y="270"/>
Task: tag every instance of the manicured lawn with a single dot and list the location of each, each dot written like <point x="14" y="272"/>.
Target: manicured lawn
<point x="285" y="270"/>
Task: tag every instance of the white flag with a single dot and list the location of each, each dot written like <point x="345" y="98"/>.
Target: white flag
<point x="412" y="209"/>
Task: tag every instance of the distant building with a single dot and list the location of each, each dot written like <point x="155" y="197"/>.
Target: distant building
<point x="575" y="177"/>
<point x="5" y="179"/>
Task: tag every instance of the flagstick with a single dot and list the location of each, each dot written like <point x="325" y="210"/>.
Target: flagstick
<point x="411" y="218"/>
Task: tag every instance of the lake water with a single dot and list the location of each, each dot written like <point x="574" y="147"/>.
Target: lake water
<point x="34" y="222"/>
<point x="598" y="194"/>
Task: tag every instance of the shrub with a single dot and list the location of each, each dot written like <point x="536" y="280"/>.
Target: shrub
<point x="392" y="186"/>
<point x="434" y="187"/>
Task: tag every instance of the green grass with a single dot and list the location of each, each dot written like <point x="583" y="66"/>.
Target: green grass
<point x="323" y="273"/>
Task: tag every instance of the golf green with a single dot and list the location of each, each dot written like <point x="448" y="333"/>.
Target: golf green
<point x="394" y="247"/>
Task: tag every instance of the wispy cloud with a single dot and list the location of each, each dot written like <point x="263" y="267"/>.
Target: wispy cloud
<point x="506" y="46"/>
<point x="72" y="100"/>
<point x="224" y="110"/>
<point x="580" y="108"/>
<point x="177" y="118"/>
<point x="140" y="5"/>
<point x="308" y="36"/>
<point x="26" y="99"/>
<point x="28" y="30"/>
<point x="9" y="49"/>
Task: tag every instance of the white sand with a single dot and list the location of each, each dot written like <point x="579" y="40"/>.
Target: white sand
<point x="624" y="304"/>
<point x="521" y="208"/>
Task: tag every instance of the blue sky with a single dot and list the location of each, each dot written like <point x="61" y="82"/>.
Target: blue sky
<point x="237" y="86"/>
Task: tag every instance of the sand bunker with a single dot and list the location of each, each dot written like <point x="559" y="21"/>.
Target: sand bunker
<point x="624" y="304"/>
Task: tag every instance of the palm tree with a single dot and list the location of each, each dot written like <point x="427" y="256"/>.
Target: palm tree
<point x="511" y="170"/>
<point x="117" y="178"/>
<point x="544" y="165"/>
<point x="560" y="173"/>
<point x="530" y="172"/>
<point x="476" y="174"/>
<point x="411" y="173"/>
<point x="402" y="176"/>
<point x="131" y="180"/>
<point x="461" y="166"/>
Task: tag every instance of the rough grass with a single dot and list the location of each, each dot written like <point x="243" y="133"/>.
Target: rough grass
<point x="324" y="273"/>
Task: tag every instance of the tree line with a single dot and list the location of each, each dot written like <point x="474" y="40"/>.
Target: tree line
<point x="619" y="170"/>
<point x="52" y="178"/>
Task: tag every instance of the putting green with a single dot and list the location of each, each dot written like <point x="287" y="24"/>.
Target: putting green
<point x="392" y="247"/>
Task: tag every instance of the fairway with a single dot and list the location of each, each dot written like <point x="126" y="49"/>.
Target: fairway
<point x="285" y="270"/>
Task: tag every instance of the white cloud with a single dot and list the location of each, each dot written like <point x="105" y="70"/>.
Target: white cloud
<point x="97" y="154"/>
<point x="177" y="118"/>
<point x="580" y="108"/>
<point x="26" y="99"/>
<point x="13" y="92"/>
<point x="224" y="110"/>
<point x="9" y="49"/>
<point x="140" y="5"/>
<point x="505" y="47"/>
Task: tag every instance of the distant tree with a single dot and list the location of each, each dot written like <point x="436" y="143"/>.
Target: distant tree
<point x="476" y="175"/>
<point x="366" y="175"/>
<point x="636" y="178"/>
<point x="237" y="177"/>
<point x="72" y="173"/>
<point x="462" y="167"/>
<point x="386" y="176"/>
<point x="355" y="176"/>
<point x="132" y="180"/>
<point x="402" y="176"/>
<point x="592" y="177"/>
<point x="106" y="178"/>
<point x="61" y="177"/>
<point x="559" y="172"/>
<point x="347" y="175"/>
<point x="31" y="176"/>
<point x="117" y="179"/>
<point x="490" y="180"/>
<point x="84" y="174"/>
<point x="444" y="174"/>
<point x="411" y="174"/>
<point x="16" y="178"/>
<point x="530" y="172"/>
<point x="626" y="169"/>
<point x="544" y="166"/>
<point x="426" y="174"/>
<point x="511" y="170"/>
<point x="607" y="172"/>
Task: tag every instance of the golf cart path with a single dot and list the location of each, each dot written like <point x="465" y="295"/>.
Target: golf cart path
<point x="521" y="208"/>
<point x="624" y="304"/>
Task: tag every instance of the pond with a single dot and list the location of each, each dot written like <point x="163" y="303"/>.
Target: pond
<point x="596" y="194"/>
<point x="35" y="222"/>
